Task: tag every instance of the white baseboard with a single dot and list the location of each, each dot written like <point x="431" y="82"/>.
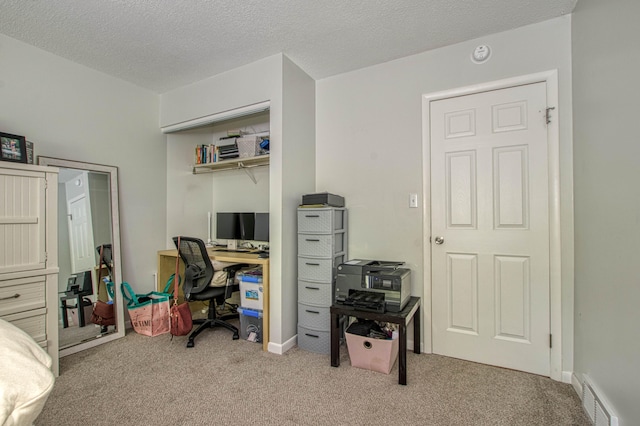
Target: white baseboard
<point x="577" y="385"/>
<point x="276" y="348"/>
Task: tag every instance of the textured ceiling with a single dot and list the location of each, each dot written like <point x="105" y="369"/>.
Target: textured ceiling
<point x="164" y="44"/>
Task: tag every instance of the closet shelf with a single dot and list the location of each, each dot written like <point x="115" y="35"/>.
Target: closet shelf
<point x="246" y="164"/>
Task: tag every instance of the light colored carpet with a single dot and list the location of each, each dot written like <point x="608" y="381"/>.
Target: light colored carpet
<point x="141" y="380"/>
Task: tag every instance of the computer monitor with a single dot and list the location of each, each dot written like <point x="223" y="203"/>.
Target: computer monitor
<point x="242" y="226"/>
<point x="247" y="224"/>
<point x="227" y="226"/>
<point x="261" y="230"/>
<point x="80" y="283"/>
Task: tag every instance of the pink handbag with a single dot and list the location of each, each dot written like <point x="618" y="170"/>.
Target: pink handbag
<point x="181" y="321"/>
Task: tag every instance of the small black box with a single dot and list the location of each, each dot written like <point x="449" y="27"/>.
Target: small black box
<point x="323" y="198"/>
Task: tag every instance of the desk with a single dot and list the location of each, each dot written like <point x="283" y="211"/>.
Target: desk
<point x="402" y="318"/>
<point x="167" y="266"/>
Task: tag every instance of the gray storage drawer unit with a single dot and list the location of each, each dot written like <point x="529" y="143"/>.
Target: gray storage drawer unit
<point x="322" y="246"/>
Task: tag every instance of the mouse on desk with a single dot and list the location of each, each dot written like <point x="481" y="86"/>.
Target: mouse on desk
<point x="263" y="255"/>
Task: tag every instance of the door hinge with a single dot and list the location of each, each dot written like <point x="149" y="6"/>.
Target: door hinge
<point x="551" y="340"/>
<point x="46" y="256"/>
<point x="548" y="114"/>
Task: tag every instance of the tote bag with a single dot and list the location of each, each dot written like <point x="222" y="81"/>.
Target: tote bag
<point x="149" y="312"/>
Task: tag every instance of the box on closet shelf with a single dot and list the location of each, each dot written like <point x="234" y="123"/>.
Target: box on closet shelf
<point x="248" y="146"/>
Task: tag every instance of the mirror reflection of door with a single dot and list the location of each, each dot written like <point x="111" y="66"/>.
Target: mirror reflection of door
<point x="80" y="228"/>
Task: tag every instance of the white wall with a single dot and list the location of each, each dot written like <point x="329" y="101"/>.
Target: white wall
<point x="369" y="142"/>
<point x="75" y="113"/>
<point x="606" y="59"/>
<point x="298" y="177"/>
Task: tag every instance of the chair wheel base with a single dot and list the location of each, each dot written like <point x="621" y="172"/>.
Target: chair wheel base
<point x="190" y="344"/>
<point x="236" y="336"/>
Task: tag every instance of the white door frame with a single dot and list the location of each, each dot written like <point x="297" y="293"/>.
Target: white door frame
<point x="555" y="267"/>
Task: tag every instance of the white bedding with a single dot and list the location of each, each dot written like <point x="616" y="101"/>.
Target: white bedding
<point x="25" y="377"/>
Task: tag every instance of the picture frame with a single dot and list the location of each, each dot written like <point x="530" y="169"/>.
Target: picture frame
<point x="13" y="148"/>
<point x="30" y="153"/>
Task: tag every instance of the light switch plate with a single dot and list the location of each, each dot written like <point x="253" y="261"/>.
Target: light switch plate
<point x="413" y="200"/>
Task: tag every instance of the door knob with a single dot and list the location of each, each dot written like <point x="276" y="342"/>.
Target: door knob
<point x="439" y="240"/>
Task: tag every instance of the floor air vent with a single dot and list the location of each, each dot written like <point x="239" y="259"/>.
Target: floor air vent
<point x="595" y="406"/>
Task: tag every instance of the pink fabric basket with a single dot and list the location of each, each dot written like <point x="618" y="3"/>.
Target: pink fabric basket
<point x="149" y="312"/>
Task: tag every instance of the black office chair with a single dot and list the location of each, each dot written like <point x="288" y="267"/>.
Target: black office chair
<point x="197" y="277"/>
<point x="107" y="256"/>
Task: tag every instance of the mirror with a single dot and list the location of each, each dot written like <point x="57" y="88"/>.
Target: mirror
<point x="88" y="252"/>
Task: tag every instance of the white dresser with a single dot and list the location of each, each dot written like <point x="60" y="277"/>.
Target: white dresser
<point x="322" y="246"/>
<point x="29" y="253"/>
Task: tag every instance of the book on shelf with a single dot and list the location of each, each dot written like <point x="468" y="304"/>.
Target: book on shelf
<point x="205" y="154"/>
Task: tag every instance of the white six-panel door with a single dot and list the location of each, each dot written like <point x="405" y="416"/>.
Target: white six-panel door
<point x="81" y="234"/>
<point x="490" y="228"/>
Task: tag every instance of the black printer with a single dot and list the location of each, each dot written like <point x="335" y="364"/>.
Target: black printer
<point x="373" y="285"/>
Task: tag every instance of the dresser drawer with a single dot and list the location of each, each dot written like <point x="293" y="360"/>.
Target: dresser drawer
<point x="314" y="340"/>
<point x="320" y="245"/>
<point x="315" y="293"/>
<point x="320" y="220"/>
<point x="321" y="270"/>
<point x="315" y="317"/>
<point x="21" y="295"/>
<point x="34" y="323"/>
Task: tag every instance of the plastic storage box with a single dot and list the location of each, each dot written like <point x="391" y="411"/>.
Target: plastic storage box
<point x="251" y="291"/>
<point x="250" y="322"/>
<point x="372" y="354"/>
<point x="248" y="147"/>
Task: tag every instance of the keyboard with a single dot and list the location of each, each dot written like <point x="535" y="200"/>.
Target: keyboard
<point x="226" y="250"/>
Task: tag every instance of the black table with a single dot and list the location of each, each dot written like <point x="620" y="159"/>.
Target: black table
<point x="78" y="297"/>
<point x="402" y="318"/>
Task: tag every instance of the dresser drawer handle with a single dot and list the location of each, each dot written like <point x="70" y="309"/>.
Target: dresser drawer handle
<point x="312" y="335"/>
<point x="312" y="215"/>
<point x="15" y="296"/>
<point x="312" y="288"/>
<point x="313" y="240"/>
<point x="312" y="264"/>
<point x="312" y="312"/>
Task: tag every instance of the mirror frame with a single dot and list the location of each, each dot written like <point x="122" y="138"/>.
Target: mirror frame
<point x="112" y="171"/>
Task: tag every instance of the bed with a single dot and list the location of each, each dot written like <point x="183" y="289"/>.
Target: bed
<point x="26" y="379"/>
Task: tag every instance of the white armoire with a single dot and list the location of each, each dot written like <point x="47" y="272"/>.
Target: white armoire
<point x="29" y="253"/>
